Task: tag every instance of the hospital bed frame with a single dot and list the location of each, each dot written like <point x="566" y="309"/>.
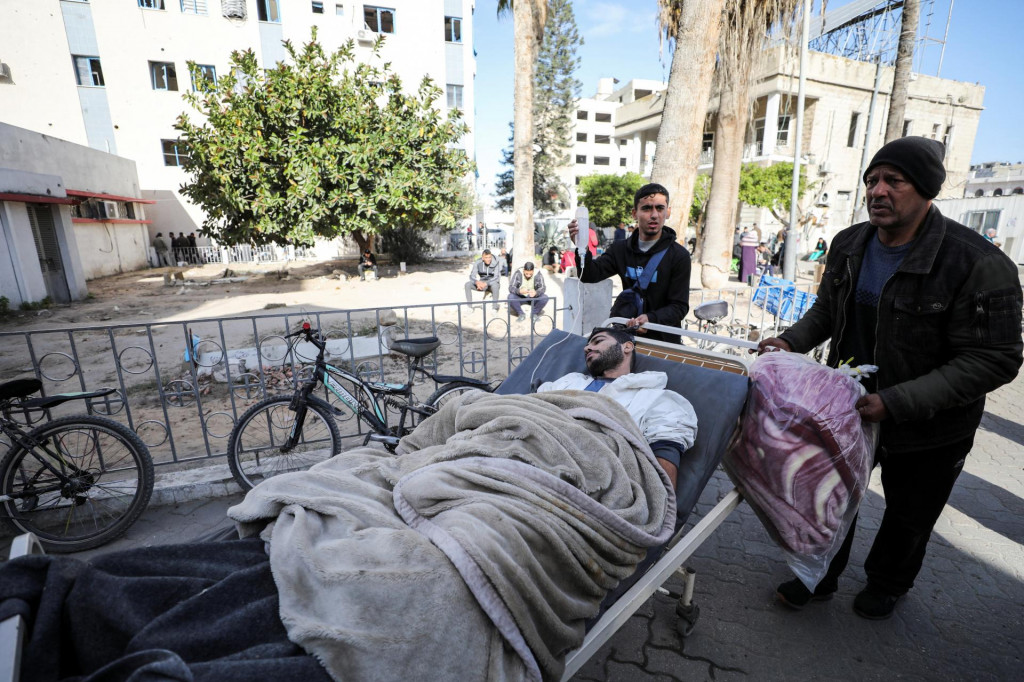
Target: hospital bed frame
<point x="679" y="549"/>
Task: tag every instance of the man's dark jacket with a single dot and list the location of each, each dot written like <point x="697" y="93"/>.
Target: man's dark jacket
<point x="667" y="299"/>
<point x="948" y="331"/>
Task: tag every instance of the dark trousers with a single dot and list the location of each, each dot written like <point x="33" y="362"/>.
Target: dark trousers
<point x="537" y="303"/>
<point x="916" y="486"/>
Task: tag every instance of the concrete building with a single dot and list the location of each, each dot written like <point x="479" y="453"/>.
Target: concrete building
<point x="835" y="137"/>
<point x="995" y="180"/>
<point x="68" y="214"/>
<point x="1004" y="214"/>
<point x="111" y="74"/>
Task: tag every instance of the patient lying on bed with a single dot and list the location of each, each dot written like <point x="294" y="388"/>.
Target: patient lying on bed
<point x="666" y="418"/>
<point x="479" y="552"/>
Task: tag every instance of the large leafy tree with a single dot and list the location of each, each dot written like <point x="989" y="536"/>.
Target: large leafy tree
<point x="609" y="198"/>
<point x="693" y="27"/>
<point x="556" y="90"/>
<point x="320" y="146"/>
<point x="528" y="19"/>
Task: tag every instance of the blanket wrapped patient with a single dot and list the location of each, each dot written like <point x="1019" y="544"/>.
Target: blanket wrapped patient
<point x="477" y="553"/>
<point x="480" y="551"/>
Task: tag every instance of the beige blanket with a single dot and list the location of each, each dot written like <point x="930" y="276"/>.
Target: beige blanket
<point x="478" y="552"/>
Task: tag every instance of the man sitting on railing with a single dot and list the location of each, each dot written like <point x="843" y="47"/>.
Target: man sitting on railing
<point x="485" y="275"/>
<point x="666" y="418"/>
<point x="527" y="287"/>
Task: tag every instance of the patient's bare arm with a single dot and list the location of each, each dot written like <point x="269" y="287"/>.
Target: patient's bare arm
<point x="670" y="469"/>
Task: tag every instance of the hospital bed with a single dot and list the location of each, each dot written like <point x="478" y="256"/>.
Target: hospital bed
<point x="716" y="385"/>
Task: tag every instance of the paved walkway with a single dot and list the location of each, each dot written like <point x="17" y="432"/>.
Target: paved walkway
<point x="964" y="620"/>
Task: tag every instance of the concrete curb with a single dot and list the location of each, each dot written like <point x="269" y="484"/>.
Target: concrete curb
<point x="194" y="484"/>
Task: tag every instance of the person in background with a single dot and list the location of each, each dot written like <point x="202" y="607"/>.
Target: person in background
<point x="551" y="260"/>
<point x="620" y="232"/>
<point x="568" y="264"/>
<point x="525" y="286"/>
<point x="749" y="239"/>
<point x="162" y="246"/>
<point x="990" y="235"/>
<point x="938" y="309"/>
<point x="367" y="261"/>
<point x="484" y="275"/>
<point x="506" y="255"/>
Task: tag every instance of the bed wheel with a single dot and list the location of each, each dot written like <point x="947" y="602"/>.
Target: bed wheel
<point x="688" y="616"/>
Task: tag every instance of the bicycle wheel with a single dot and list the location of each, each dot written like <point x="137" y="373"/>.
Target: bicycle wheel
<point x="448" y="392"/>
<point x="256" y="446"/>
<point x="99" y="480"/>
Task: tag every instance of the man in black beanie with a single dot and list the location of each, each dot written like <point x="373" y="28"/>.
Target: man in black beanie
<point x="937" y="308"/>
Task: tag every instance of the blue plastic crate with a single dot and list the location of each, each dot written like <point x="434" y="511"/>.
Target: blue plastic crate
<point x="795" y="303"/>
<point x="771" y="293"/>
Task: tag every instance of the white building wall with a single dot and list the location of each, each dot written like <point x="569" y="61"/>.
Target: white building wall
<point x="1009" y="221"/>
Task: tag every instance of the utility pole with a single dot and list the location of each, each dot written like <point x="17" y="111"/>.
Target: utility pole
<point x="792" y="234"/>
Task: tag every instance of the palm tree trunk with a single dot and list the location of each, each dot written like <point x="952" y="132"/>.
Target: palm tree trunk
<point x="524" y="32"/>
<point x="904" y="64"/>
<point x="716" y="254"/>
<point x="686" y="101"/>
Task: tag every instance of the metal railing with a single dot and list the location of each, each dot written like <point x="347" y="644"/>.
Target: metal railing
<point x="201" y="255"/>
<point x="181" y="385"/>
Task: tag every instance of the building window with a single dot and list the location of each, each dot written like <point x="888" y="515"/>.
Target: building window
<point x="268" y="10"/>
<point x="88" y="71"/>
<point x="163" y="75"/>
<point x="602" y="139"/>
<point x="152" y="4"/>
<point x="603" y="118"/>
<point x="947" y="138"/>
<point x="851" y="137"/>
<point x="936" y="129"/>
<point x="379" y="19"/>
<point x="906" y="127"/>
<point x="454" y="96"/>
<point x="581" y="158"/>
<point x="782" y="134"/>
<point x="622" y="162"/>
<point x="174" y="153"/>
<point x="453" y="29"/>
<point x="582" y="115"/>
<point x="581" y="137"/>
<point x="979" y="221"/>
<point x="997" y="192"/>
<point x="193" y="6"/>
<point x="979" y="193"/>
<point x="339" y="9"/>
<point x="601" y="161"/>
<point x="707" y="143"/>
<point x="205" y="77"/>
<point x="318" y="7"/>
<point x="579" y="179"/>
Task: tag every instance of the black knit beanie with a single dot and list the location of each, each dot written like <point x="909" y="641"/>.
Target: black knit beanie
<point x="920" y="159"/>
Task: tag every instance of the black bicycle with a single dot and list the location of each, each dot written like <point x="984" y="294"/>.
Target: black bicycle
<point x="293" y="432"/>
<point x="75" y="482"/>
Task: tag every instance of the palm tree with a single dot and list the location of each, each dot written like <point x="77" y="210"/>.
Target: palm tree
<point x="528" y="19"/>
<point x="744" y="35"/>
<point x="904" y="63"/>
<point x="694" y="26"/>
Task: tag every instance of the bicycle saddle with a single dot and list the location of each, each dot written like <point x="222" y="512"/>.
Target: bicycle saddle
<point x="19" y="388"/>
<point x="712" y="311"/>
<point x="415" y="348"/>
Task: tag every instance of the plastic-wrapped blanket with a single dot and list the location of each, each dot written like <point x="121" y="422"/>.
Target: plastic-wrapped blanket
<point x="478" y="553"/>
<point x="803" y="457"/>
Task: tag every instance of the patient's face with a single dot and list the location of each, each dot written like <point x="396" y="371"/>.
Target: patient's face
<point x="602" y="353"/>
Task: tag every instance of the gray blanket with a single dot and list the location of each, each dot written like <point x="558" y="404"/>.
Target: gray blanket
<point x="478" y="552"/>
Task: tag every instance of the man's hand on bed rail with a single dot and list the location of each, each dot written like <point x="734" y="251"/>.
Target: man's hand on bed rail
<point x="770" y="345"/>
<point x="636" y="324"/>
